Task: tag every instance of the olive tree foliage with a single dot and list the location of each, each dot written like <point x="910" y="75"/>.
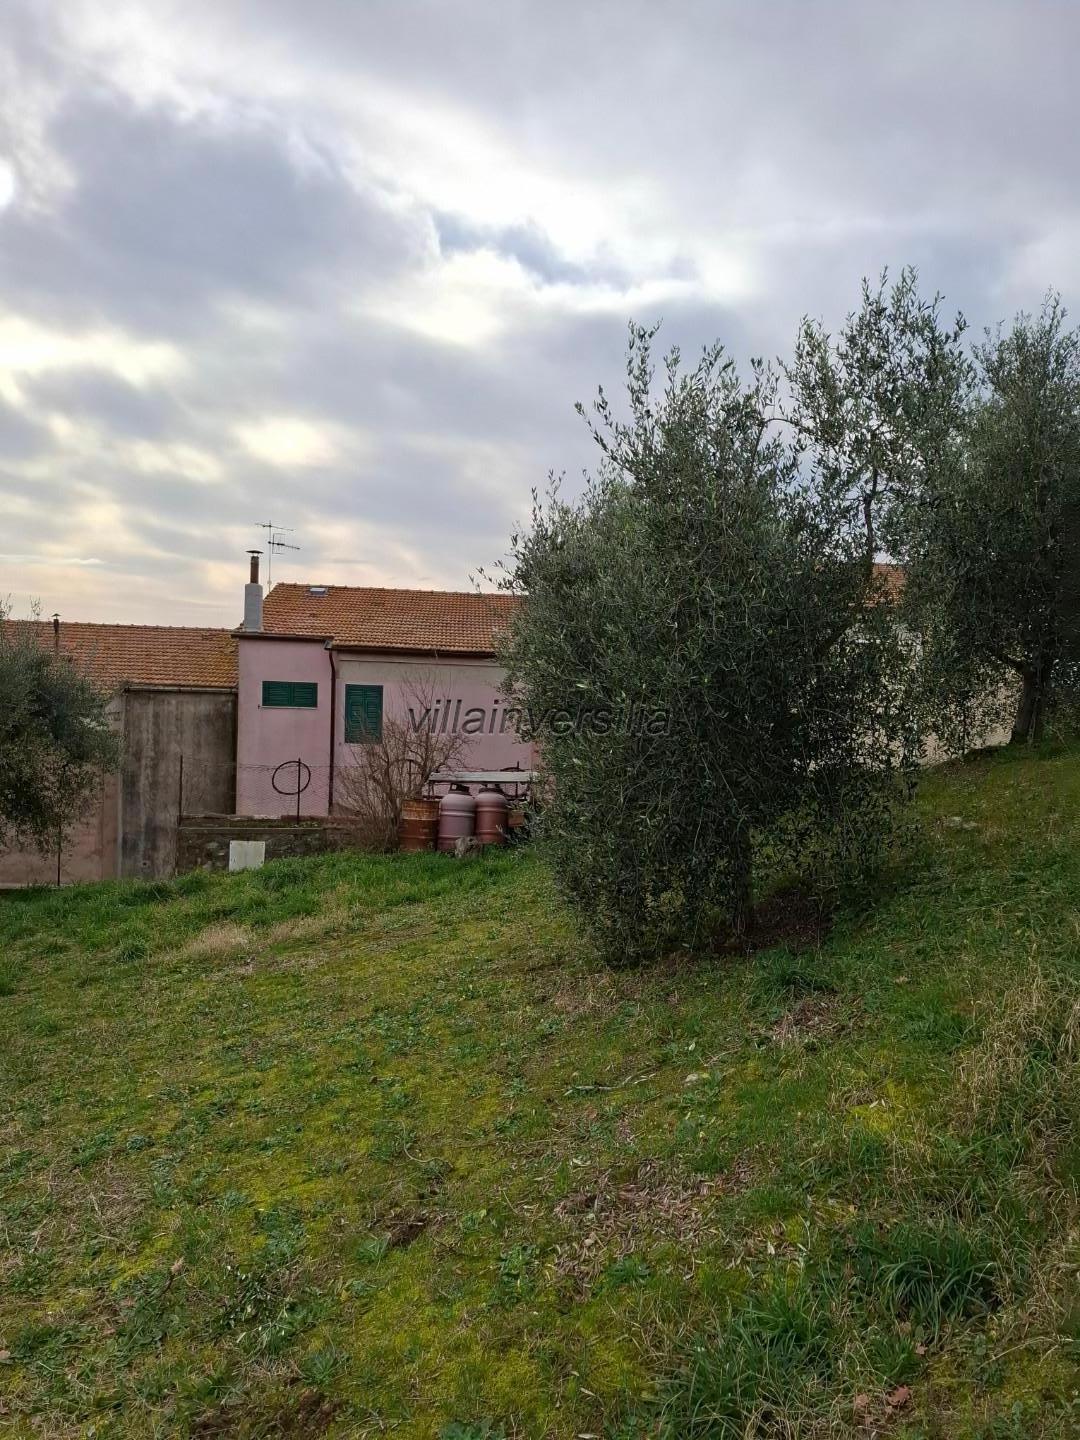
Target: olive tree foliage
<point x="55" y="740"/>
<point x="697" y="622"/>
<point x="880" y="406"/>
<point x="993" y="542"/>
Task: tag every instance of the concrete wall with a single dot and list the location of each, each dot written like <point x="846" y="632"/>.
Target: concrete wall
<point x="88" y="852"/>
<point x="159" y="727"/>
<point x="268" y="738"/>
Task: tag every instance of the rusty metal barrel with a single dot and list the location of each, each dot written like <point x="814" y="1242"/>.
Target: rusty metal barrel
<point x="491" y="816"/>
<point x="457" y="816"/>
<point x="419" y="824"/>
<point x="515" y="820"/>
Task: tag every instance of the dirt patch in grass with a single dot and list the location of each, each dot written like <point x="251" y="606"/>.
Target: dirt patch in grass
<point x="617" y="1219"/>
<point x="593" y="994"/>
<point x="815" y="1017"/>
<point x="303" y="1412"/>
<point x="402" y="1227"/>
<point x="598" y="992"/>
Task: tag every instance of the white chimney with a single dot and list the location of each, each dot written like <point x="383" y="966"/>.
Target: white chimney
<point x="253" y="595"/>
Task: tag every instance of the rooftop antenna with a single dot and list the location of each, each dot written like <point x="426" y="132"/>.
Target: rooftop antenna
<point x="274" y="542"/>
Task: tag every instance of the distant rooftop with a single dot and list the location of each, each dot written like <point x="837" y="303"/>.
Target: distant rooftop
<point x="116" y="655"/>
<point x="449" y="622"/>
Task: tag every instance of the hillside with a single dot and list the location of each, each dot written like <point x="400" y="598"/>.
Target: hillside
<point x="365" y="1146"/>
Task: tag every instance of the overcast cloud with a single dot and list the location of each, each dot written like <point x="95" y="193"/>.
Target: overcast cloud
<point x="347" y="264"/>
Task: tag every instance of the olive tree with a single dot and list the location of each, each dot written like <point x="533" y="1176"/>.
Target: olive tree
<point x="707" y="684"/>
<point x="880" y="405"/>
<point x="55" y="739"/>
<point x="993" y="543"/>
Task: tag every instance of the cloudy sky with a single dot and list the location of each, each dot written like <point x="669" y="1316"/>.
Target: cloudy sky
<point x="346" y="264"/>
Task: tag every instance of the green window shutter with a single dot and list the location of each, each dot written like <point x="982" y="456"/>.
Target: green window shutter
<point x="363" y="714"/>
<point x="290" y="694"/>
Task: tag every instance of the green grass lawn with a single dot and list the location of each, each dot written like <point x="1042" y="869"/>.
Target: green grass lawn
<point x="366" y="1146"/>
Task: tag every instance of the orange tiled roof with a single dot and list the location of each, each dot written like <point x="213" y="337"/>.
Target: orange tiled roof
<point x="450" y="622"/>
<point x="117" y="655"/>
<point x="891" y="579"/>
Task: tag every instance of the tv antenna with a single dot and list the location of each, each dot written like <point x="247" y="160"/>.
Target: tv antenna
<point x="274" y="542"/>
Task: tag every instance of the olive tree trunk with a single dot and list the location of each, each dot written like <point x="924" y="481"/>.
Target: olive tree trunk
<point x="1031" y="707"/>
<point x="740" y="859"/>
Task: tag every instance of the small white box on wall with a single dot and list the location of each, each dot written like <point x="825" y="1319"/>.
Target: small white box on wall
<point x="247" y="854"/>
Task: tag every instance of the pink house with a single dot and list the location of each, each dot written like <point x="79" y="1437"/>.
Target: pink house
<point x="322" y="669"/>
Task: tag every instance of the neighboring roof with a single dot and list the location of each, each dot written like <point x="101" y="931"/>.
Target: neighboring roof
<point x="449" y="622"/>
<point x="156" y="655"/>
<point x="891" y="579"/>
<point x="425" y="621"/>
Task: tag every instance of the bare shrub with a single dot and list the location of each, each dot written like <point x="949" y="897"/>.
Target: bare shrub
<point x="394" y="768"/>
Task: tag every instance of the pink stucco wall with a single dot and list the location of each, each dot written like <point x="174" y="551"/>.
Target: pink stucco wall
<point x="455" y="687"/>
<point x="268" y="737"/>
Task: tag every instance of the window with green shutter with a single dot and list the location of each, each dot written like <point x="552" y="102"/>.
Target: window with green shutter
<point x="290" y="694"/>
<point x="363" y="714"/>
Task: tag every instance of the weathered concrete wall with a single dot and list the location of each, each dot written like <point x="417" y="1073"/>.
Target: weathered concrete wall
<point x="88" y="852"/>
<point x="130" y="827"/>
<point x="203" y="840"/>
<point x="160" y="727"/>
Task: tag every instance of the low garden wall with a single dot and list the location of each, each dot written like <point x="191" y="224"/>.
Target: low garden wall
<point x="202" y="841"/>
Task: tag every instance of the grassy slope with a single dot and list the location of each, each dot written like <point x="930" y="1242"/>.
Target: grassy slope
<point x="366" y="1146"/>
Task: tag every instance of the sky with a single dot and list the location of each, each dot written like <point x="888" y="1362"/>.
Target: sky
<point x="346" y="265"/>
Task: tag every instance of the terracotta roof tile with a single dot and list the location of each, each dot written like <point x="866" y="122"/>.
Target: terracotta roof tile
<point x="891" y="580"/>
<point x="115" y="655"/>
<point x="424" y="620"/>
